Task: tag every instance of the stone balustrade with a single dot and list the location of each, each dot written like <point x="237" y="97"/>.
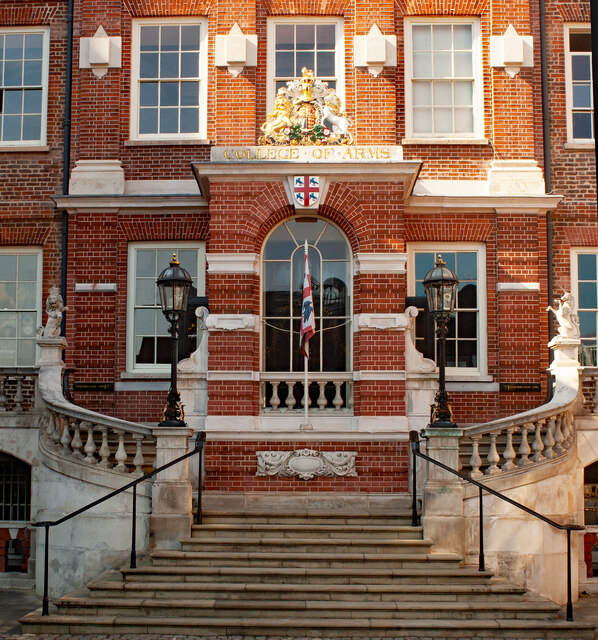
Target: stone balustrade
<point x="328" y="393"/>
<point x="590" y="390"/>
<point x="17" y="389"/>
<point x="526" y="439"/>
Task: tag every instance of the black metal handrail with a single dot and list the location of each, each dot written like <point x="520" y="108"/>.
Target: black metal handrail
<point x="416" y="453"/>
<point x="198" y="450"/>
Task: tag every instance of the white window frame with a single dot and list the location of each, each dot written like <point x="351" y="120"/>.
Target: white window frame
<point x="132" y="367"/>
<point x="203" y="79"/>
<point x="480" y="249"/>
<point x="571" y="28"/>
<point x="45" y="31"/>
<point x="39" y="284"/>
<point x="478" y="83"/>
<point x="576" y="251"/>
<point x="339" y="62"/>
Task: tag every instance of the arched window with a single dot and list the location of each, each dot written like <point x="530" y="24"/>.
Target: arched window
<point x="282" y="295"/>
<point x="15" y="489"/>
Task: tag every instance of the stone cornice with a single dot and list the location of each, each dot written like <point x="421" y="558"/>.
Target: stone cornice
<point x="108" y="204"/>
<point x="483" y="203"/>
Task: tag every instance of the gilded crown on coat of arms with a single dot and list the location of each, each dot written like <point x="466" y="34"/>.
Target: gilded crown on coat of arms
<point x="306" y="112"/>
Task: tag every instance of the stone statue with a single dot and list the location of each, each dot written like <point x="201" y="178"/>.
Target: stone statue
<point x="566" y="316"/>
<point x="339" y="121"/>
<point x="54" y="308"/>
<point x="279" y="119"/>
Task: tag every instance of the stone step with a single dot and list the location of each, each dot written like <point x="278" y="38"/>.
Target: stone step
<point x="303" y="545"/>
<point x="447" y="592"/>
<point x="251" y="530"/>
<point x="308" y="625"/>
<point x="226" y="608"/>
<point x="315" y="560"/>
<point x="307" y="518"/>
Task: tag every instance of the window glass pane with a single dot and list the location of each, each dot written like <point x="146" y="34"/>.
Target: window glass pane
<point x="422" y="93"/>
<point x="189" y="65"/>
<point x="13" y="102"/>
<point x="284" y="64"/>
<point x="422" y="120"/>
<point x="464" y="120"/>
<point x="8" y="353"/>
<point x="148" y="94"/>
<point x="169" y="65"/>
<point x="8" y="295"/>
<point x="442" y="37"/>
<point x="13" y="73"/>
<point x="422" y="65"/>
<point x="170" y="38"/>
<point x="188" y="260"/>
<point x="586" y="267"/>
<point x="276" y="288"/>
<point x="28" y="267"/>
<point x="443" y="67"/>
<point x="34" y="46"/>
<point x="146" y="262"/>
<point x="443" y="93"/>
<point x="463" y="92"/>
<point x="467" y="324"/>
<point x="587" y="295"/>
<point x="325" y="66"/>
<point x="580" y="67"/>
<point x="277" y="345"/>
<point x="11" y="129"/>
<point x="326" y="36"/>
<point x="306" y="229"/>
<point x="467" y="353"/>
<point x="190" y="93"/>
<point x="148" y="121"/>
<point x="145" y="350"/>
<point x="463" y="64"/>
<point x="467" y="265"/>
<point x="146" y="292"/>
<point x="169" y="94"/>
<point x="13" y="46"/>
<point x="335" y="295"/>
<point x="587" y="321"/>
<point x="169" y="120"/>
<point x="443" y="120"/>
<point x="26" y="295"/>
<point x="580" y="41"/>
<point x="32" y="101"/>
<point x="332" y="245"/>
<point x="422" y="37"/>
<point x="334" y="342"/>
<point x="145" y="322"/>
<point x="148" y="65"/>
<point x="189" y="120"/>
<point x="303" y="59"/>
<point x="467" y="296"/>
<point x="150" y="38"/>
<point x="582" y="125"/>
<point x="280" y="245"/>
<point x="582" y="96"/>
<point x="26" y="325"/>
<point x="423" y="263"/>
<point x="285" y="36"/>
<point x="190" y="37"/>
<point x="8" y="324"/>
<point x="25" y="353"/>
<point x="8" y="268"/>
<point x="462" y="36"/>
<point x="305" y="36"/>
<point x="32" y="72"/>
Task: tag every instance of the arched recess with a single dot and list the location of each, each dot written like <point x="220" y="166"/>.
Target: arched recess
<point x="330" y="264"/>
<point x="15" y="512"/>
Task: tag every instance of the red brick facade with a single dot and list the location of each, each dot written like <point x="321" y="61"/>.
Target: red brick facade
<point x="377" y="215"/>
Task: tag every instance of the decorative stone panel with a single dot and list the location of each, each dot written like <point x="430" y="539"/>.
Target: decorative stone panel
<point x="305" y="463"/>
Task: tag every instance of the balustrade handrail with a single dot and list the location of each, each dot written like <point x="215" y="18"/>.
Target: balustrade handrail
<point x="299" y="376"/>
<point x="18" y="371"/>
<point x="416" y="453"/>
<point x="564" y="396"/>
<point x="198" y="449"/>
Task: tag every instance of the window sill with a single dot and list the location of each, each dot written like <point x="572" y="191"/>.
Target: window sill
<point x="580" y="146"/>
<point x="166" y="142"/>
<point x="468" y="377"/>
<point x="445" y="141"/>
<point x="24" y="149"/>
<point x="145" y="375"/>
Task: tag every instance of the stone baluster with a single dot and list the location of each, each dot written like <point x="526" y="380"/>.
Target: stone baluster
<point x="121" y="455"/>
<point x="338" y="398"/>
<point x="290" y="399"/>
<point x="50" y="426"/>
<point x="275" y="399"/>
<point x="322" y="402"/>
<point x="493" y="457"/>
<point x="18" y="397"/>
<point x="567" y="430"/>
<point x="537" y="444"/>
<point x="524" y="448"/>
<point x="509" y="452"/>
<point x="595" y="396"/>
<point x="304" y="395"/>
<point x="57" y="432"/>
<point x="104" y="451"/>
<point x="349" y="400"/>
<point x="90" y="445"/>
<point x="3" y="397"/>
<point x="549" y="439"/>
<point x="76" y="442"/>
<point x="138" y="460"/>
<point x="65" y="438"/>
<point x="558" y="435"/>
<point x="475" y="461"/>
<point x="262" y="398"/>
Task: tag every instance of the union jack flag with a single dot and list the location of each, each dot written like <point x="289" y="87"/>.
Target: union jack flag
<point x="308" y="321"/>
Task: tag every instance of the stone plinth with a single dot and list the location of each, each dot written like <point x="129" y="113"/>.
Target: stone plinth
<point x="443" y="519"/>
<point x="171" y="517"/>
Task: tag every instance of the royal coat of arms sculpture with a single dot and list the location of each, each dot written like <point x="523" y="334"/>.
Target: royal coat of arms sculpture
<point x="306" y="112"/>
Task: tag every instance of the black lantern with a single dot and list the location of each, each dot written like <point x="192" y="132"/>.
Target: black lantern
<point x="441" y="285"/>
<point x="174" y="284"/>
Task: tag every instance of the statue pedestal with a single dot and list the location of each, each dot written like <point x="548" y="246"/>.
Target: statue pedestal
<point x="565" y="352"/>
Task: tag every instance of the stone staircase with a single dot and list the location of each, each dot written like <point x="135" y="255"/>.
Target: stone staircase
<point x="320" y="575"/>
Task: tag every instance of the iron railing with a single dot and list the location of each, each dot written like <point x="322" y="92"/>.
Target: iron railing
<point x="416" y="453"/>
<point x="198" y="450"/>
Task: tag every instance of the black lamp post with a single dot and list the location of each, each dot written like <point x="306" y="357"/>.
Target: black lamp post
<point x="174" y="284"/>
<point x="441" y="285"/>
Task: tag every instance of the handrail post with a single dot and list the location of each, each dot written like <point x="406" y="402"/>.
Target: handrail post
<point x="199" y="444"/>
<point x="481" y="560"/>
<point x="414" y="439"/>
<point x="134" y="530"/>
<point x="569" y="596"/>
<point x="45" y="607"/>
